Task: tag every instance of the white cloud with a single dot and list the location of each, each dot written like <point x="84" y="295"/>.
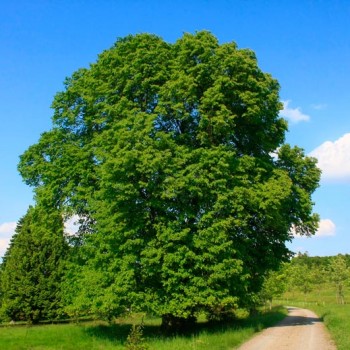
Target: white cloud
<point x="326" y="227"/>
<point x="334" y="158"/>
<point x="7" y="229"/>
<point x="294" y="115"/>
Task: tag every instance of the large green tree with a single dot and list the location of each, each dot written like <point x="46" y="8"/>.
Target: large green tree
<point x="32" y="268"/>
<point x="167" y="154"/>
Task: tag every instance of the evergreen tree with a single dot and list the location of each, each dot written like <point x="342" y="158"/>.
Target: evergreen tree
<point x="32" y="268"/>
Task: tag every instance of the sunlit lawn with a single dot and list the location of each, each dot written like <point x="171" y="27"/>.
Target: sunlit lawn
<point x="97" y="335"/>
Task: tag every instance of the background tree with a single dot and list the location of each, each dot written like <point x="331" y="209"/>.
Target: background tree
<point x="31" y="270"/>
<point x="339" y="274"/>
<point x="274" y="285"/>
<point x="165" y="152"/>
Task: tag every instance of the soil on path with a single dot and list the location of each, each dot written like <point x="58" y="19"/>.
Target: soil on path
<point x="300" y="330"/>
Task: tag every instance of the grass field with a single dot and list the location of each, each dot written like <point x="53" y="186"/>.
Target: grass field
<point x="100" y="336"/>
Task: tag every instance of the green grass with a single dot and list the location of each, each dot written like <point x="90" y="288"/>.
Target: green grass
<point x="98" y="336"/>
<point x="67" y="336"/>
<point x="322" y="295"/>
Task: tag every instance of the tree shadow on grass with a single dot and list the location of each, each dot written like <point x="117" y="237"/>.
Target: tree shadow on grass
<point x="121" y="331"/>
<point x="111" y="332"/>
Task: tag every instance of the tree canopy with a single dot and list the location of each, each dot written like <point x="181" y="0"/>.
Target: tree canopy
<point x="166" y="152"/>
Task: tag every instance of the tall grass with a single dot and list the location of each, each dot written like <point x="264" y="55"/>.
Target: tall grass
<point x="98" y="336"/>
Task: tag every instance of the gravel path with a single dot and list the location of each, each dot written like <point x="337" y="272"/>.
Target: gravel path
<point x="300" y="330"/>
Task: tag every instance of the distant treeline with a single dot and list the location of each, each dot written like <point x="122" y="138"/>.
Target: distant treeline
<point x="305" y="274"/>
<point x="317" y="262"/>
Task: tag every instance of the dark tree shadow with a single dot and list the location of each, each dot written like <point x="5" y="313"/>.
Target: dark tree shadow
<point x="291" y="320"/>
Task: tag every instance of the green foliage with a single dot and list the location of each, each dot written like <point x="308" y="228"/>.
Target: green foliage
<point x="273" y="287"/>
<point x="339" y="275"/>
<point x="32" y="268"/>
<point x="135" y="340"/>
<point x="311" y="275"/>
<point x="165" y="153"/>
<point x="300" y="277"/>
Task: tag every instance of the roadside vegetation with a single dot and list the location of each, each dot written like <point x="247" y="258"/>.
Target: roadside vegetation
<point x="336" y="319"/>
<point x="98" y="335"/>
<point x="321" y="284"/>
<point x="334" y="316"/>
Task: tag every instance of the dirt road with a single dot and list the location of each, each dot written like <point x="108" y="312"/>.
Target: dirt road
<point x="300" y="330"/>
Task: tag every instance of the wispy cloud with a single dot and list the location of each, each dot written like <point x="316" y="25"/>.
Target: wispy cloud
<point x="7" y="229"/>
<point x="294" y="115"/>
<point x="319" y="106"/>
<point x="334" y="159"/>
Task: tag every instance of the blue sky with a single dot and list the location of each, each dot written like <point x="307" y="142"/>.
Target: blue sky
<point x="305" y="45"/>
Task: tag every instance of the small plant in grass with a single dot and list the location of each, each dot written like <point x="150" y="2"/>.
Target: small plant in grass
<point x="135" y="340"/>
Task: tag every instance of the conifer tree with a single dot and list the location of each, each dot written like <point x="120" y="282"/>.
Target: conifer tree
<point x="32" y="268"/>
